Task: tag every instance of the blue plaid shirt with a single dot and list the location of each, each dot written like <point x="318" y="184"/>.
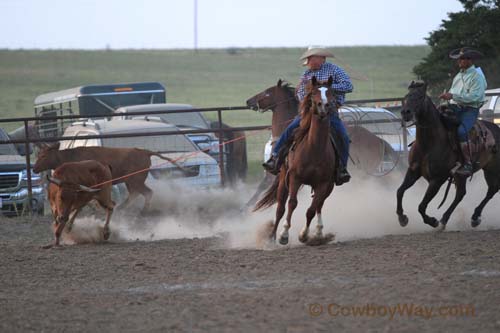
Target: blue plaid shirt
<point x="341" y="81"/>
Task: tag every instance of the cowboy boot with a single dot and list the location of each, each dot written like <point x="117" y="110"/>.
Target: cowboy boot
<point x="271" y="165"/>
<point x="342" y="176"/>
<point x="466" y="168"/>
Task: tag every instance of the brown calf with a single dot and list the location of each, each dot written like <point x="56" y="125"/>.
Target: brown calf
<point x="131" y="164"/>
<point x="70" y="190"/>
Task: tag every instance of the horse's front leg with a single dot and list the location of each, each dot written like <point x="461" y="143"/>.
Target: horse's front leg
<point x="320" y="194"/>
<point x="432" y="190"/>
<point x="282" y="195"/>
<point x="459" y="195"/>
<point x="410" y="178"/>
<point x="292" y="204"/>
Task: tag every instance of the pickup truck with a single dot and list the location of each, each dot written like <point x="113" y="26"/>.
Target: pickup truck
<point x="14" y="182"/>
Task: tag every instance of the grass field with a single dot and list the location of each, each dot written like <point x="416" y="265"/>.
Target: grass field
<point x="206" y="78"/>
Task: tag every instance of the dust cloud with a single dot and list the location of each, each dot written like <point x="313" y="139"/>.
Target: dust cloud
<point x="363" y="208"/>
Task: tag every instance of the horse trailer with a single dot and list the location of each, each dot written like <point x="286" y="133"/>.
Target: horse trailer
<point x="92" y="101"/>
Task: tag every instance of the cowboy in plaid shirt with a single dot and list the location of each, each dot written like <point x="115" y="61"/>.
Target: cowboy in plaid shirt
<point x="315" y="60"/>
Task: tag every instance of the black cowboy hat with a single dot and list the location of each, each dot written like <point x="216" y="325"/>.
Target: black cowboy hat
<point x="465" y="53"/>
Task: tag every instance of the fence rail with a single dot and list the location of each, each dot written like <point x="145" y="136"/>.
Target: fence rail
<point x="28" y="121"/>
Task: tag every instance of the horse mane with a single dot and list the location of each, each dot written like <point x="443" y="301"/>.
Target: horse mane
<point x="306" y="116"/>
<point x="290" y="90"/>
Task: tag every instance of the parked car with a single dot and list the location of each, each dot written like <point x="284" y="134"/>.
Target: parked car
<point x="14" y="182"/>
<point x="207" y="142"/>
<point x="204" y="169"/>
<point x="491" y="108"/>
<point x="234" y="153"/>
<point x="385" y="125"/>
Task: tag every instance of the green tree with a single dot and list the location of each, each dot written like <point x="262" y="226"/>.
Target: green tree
<point x="478" y="26"/>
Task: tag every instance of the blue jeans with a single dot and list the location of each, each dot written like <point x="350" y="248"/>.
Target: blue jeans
<point x="335" y="123"/>
<point x="467" y="115"/>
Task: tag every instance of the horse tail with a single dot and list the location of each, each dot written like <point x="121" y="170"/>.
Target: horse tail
<point x="270" y="197"/>
<point x="174" y="162"/>
<point x="446" y="192"/>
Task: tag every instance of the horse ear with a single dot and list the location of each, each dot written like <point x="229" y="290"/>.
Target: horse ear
<point x="279" y="83"/>
<point x="330" y="80"/>
<point x="412" y="84"/>
<point x="314" y="80"/>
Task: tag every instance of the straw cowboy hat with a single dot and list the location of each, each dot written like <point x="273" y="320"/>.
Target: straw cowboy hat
<point x="315" y="51"/>
<point x="465" y="53"/>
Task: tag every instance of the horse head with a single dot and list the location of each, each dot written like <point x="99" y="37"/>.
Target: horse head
<point x="414" y="101"/>
<point x="270" y="98"/>
<point x="321" y="97"/>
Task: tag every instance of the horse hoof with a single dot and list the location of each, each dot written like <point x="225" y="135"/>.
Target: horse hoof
<point x="403" y="220"/>
<point x="303" y="238"/>
<point x="283" y="240"/>
<point x="432" y="221"/>
<point x="441" y="227"/>
<point x="475" y="222"/>
<point x="106" y="234"/>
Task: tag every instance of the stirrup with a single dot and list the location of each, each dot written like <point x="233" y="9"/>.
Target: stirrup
<point x="343" y="177"/>
<point x="465" y="170"/>
<point x="271" y="165"/>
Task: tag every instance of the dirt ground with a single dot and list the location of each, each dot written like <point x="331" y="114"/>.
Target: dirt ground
<point x="208" y="279"/>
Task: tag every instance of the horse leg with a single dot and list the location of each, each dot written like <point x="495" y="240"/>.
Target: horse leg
<point x="459" y="195"/>
<point x="72" y="219"/>
<point x="292" y="204"/>
<point x="410" y="178"/>
<point x="282" y="195"/>
<point x="430" y="193"/>
<point x="493" y="187"/>
<point x="321" y="200"/>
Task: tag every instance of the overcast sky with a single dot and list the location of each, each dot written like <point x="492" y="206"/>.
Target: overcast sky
<point x="168" y="24"/>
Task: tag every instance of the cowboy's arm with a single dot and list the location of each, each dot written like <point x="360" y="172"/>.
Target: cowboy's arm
<point x="342" y="81"/>
<point x="474" y="93"/>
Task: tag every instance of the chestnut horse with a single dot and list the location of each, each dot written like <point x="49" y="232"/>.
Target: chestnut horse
<point x="312" y="161"/>
<point x="432" y="156"/>
<point x="365" y="149"/>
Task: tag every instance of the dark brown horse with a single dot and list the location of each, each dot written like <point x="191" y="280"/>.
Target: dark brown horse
<point x="311" y="162"/>
<point x="432" y="156"/>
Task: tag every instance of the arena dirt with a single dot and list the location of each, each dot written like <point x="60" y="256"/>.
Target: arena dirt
<point x="199" y="268"/>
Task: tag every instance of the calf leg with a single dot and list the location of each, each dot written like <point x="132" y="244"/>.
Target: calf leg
<point x="59" y="224"/>
<point x="106" y="202"/>
<point x="145" y="191"/>
<point x="72" y="219"/>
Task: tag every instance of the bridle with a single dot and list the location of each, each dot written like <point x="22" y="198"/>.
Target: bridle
<point x="421" y="104"/>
